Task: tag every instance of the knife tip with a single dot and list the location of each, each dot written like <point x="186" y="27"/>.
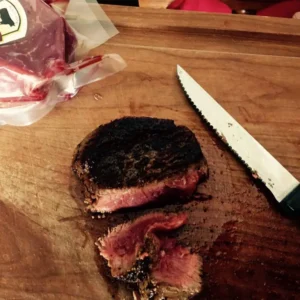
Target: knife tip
<point x="179" y="69"/>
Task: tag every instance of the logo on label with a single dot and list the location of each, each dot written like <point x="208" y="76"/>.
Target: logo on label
<point x="13" y="21"/>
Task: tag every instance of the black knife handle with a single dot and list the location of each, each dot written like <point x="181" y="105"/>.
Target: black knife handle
<point x="291" y="203"/>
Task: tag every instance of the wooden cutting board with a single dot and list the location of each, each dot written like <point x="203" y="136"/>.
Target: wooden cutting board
<point x="250" y="251"/>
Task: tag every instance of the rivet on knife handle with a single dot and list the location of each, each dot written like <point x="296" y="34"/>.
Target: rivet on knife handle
<point x="283" y="185"/>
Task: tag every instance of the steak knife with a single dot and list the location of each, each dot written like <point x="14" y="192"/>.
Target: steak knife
<point x="283" y="185"/>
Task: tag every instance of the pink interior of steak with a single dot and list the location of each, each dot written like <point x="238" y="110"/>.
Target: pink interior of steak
<point x="109" y="200"/>
<point x="177" y="267"/>
<point x="122" y="245"/>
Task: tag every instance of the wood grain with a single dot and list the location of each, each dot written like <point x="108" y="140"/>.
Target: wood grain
<point x="164" y="19"/>
<point x="154" y="3"/>
<point x="250" y="250"/>
<point x="206" y="32"/>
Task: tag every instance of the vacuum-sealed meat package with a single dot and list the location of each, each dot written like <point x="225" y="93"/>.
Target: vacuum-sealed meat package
<point x="43" y="54"/>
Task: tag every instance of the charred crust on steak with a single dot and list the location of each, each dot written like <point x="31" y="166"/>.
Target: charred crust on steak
<point x="139" y="272"/>
<point x="148" y="253"/>
<point x="141" y="255"/>
<point x="148" y="290"/>
<point x="134" y="151"/>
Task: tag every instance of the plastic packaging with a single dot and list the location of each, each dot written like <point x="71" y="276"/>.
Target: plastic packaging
<point x="43" y="57"/>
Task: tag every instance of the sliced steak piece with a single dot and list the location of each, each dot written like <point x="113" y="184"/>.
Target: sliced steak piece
<point x="133" y="161"/>
<point x="139" y="253"/>
<point x="124" y="246"/>
<point x="176" y="274"/>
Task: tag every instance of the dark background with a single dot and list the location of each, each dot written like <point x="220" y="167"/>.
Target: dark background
<point x="234" y="4"/>
<point x="120" y="2"/>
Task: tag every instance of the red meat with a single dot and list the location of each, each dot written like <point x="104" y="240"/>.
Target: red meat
<point x="183" y="185"/>
<point x="134" y="161"/>
<point x="138" y="253"/>
<point x="27" y="64"/>
<point x="176" y="275"/>
<point x="122" y="246"/>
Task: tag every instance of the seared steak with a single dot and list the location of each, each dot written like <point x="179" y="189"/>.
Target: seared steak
<point x="123" y="246"/>
<point x="176" y="274"/>
<point x="160" y="268"/>
<point x="133" y="161"/>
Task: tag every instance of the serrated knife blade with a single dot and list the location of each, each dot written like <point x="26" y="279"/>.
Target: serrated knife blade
<point x="283" y="185"/>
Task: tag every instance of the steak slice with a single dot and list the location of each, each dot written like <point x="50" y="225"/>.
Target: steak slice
<point x="176" y="274"/>
<point x="136" y="160"/>
<point x="123" y="246"/>
<point x="139" y="253"/>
